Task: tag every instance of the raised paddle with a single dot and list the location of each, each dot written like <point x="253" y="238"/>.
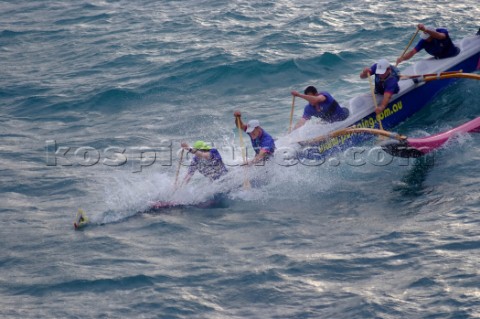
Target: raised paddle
<point x="246" y="182"/>
<point x="409" y="43"/>
<point x="178" y="169"/>
<point x="291" y="114"/>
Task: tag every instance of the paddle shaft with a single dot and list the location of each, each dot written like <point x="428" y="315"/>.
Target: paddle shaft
<point x="409" y="43"/>
<point x="372" y="89"/>
<point x="291" y="114"/>
<point x="240" y="136"/>
<point x="178" y="168"/>
<point x="246" y="182"/>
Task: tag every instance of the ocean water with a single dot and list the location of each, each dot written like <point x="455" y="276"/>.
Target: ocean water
<point x="96" y="97"/>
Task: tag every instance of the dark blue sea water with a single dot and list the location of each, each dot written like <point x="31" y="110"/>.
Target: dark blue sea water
<point x="105" y="81"/>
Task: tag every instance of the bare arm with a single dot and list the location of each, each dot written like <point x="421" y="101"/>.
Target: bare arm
<point x="238" y="118"/>
<point x="314" y="100"/>
<point x="205" y="155"/>
<point x="432" y="33"/>
<point x="258" y="158"/>
<point x="386" y="98"/>
<point x="366" y="72"/>
<point x="301" y="122"/>
<point x="186" y="179"/>
<point x="407" y="56"/>
<point x="437" y="35"/>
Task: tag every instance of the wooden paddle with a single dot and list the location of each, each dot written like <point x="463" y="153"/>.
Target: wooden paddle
<point x="246" y="182"/>
<point x="291" y="114"/>
<point x="372" y="90"/>
<point x="178" y="169"/>
<point x="409" y="43"/>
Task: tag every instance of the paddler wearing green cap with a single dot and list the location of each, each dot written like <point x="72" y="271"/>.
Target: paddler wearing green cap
<point x="206" y="160"/>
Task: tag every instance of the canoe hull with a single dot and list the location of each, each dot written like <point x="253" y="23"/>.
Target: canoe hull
<point x="411" y="99"/>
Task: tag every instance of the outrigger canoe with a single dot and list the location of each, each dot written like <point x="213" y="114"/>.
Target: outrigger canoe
<point x="412" y="97"/>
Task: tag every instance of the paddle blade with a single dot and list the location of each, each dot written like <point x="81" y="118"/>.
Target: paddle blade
<point x="81" y="219"/>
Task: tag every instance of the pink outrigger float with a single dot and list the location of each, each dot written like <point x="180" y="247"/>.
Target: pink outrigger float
<point x="416" y="147"/>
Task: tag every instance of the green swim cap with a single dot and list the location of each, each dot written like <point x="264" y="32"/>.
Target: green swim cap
<point x="201" y="145"/>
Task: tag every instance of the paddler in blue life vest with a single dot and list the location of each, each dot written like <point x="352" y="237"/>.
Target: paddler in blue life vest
<point x="206" y="160"/>
<point x="262" y="142"/>
<point x="386" y="81"/>
<point x="320" y="104"/>
<point x="436" y="42"/>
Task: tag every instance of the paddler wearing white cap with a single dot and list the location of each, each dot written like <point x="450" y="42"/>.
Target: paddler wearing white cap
<point x="386" y="81"/>
<point x="262" y="142"/>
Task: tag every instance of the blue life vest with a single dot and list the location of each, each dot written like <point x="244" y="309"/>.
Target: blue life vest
<point x="330" y="109"/>
<point x="263" y="141"/>
<point x="439" y="48"/>
<point x="212" y="168"/>
<point x="393" y="76"/>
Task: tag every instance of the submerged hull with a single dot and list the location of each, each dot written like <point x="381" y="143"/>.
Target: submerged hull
<point x="217" y="201"/>
<point x="411" y="98"/>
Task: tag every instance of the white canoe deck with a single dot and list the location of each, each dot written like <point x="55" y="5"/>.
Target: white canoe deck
<point x="362" y="105"/>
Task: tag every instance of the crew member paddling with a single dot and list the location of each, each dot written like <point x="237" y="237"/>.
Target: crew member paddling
<point x="262" y="142"/>
<point x="321" y="105"/>
<point x="386" y="81"/>
<point x="206" y="160"/>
